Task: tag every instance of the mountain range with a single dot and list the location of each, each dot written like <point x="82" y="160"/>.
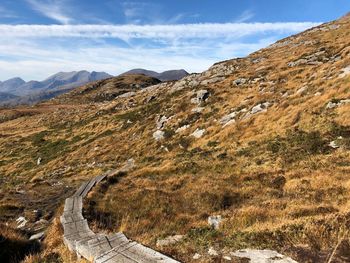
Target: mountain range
<point x="16" y="91"/>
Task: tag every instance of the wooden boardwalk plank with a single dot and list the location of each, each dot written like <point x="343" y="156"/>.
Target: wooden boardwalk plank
<point x="144" y="254"/>
<point x="88" y="187"/>
<point x="100" y="178"/>
<point x="113" y="254"/>
<point x="99" y="248"/>
<point x="81" y="188"/>
<point x="71" y="217"/>
<point x="73" y="204"/>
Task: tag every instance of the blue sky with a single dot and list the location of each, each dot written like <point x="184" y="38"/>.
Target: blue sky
<point x="42" y="37"/>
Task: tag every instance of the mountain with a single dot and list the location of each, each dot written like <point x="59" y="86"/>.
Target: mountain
<point x="61" y="80"/>
<point x="169" y="75"/>
<point x="11" y="84"/>
<point x="252" y="153"/>
<point x="35" y="91"/>
<point x="7" y="96"/>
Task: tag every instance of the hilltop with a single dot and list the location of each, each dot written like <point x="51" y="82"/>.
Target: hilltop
<point x="262" y="141"/>
<point x="168" y="75"/>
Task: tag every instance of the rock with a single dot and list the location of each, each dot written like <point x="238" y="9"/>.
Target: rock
<point x="285" y="95"/>
<point x="198" y="133"/>
<point x="262" y="107"/>
<point x="150" y="98"/>
<point x="170" y="240"/>
<point x="201" y="96"/>
<point x="227" y="258"/>
<point x="21" y="222"/>
<point x="318" y="94"/>
<point x="297" y="63"/>
<point x="20" y="191"/>
<point x="331" y="105"/>
<point x="37" y="236"/>
<point x="198" y="109"/>
<point x="127" y="95"/>
<point x="197" y="256"/>
<point x="302" y="90"/>
<point x="212" y="80"/>
<point x="333" y="144"/>
<point x="183" y="128"/>
<point x="334" y="104"/>
<point x="262" y="256"/>
<point x="214" y="221"/>
<point x="240" y="81"/>
<point x="228" y="119"/>
<point x="162" y="120"/>
<point x="212" y="252"/>
<point x="38" y="162"/>
<point x="158" y="135"/>
<point x="345" y="72"/>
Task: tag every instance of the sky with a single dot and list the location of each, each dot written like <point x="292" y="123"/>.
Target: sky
<point x="41" y="37"/>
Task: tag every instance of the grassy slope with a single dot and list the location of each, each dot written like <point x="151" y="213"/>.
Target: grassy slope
<point x="272" y="176"/>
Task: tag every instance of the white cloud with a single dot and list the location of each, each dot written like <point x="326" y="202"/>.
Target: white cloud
<point x="206" y="30"/>
<point x="36" y="51"/>
<point x="53" y="9"/>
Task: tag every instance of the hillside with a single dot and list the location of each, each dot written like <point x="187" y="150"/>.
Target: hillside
<point x="168" y="75"/>
<point x="262" y="141"/>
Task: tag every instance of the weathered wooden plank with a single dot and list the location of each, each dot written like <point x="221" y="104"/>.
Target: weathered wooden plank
<point x="73" y="204"/>
<point x="81" y="189"/>
<point x="144" y="254"/>
<point x="83" y="249"/>
<point x="89" y="186"/>
<point x="68" y="204"/>
<point x="114" y="254"/>
<point x="71" y="217"/>
<point x="101" y="245"/>
<point x="71" y="240"/>
<point x="117" y="259"/>
<point x="100" y="178"/>
<point x="116" y="248"/>
<point x="114" y="240"/>
<point x="78" y="205"/>
<point x="77" y="226"/>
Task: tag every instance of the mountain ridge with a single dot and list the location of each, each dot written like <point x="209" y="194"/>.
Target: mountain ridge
<point x="168" y="75"/>
<point x="34" y="91"/>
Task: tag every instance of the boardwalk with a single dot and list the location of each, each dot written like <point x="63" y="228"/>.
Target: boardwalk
<point x="101" y="248"/>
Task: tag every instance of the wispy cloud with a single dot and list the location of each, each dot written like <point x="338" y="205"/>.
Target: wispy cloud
<point x="54" y="9"/>
<point x="28" y="51"/>
<point x="31" y="60"/>
<point x="149" y="13"/>
<point x="141" y="12"/>
<point x="206" y="30"/>
<point x="5" y="13"/>
<point x="245" y="16"/>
